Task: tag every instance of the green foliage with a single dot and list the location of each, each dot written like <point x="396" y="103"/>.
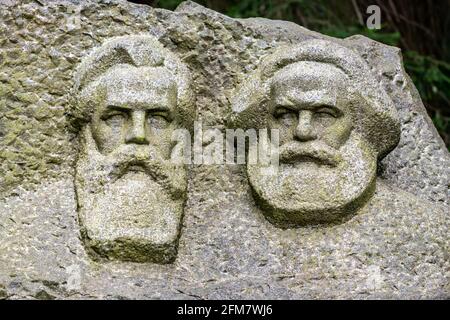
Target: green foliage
<point x="432" y="79"/>
<point x="431" y="75"/>
<point x="390" y="38"/>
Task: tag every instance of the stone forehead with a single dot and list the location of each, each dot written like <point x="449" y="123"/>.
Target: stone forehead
<point x="141" y="78"/>
<point x="125" y="84"/>
<point x="315" y="73"/>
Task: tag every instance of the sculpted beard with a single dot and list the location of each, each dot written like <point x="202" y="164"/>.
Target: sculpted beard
<point x="315" y="183"/>
<point x="97" y="170"/>
<point x="131" y="195"/>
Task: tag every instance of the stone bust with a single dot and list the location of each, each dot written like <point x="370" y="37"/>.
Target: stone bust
<point x="130" y="95"/>
<point x="335" y="122"/>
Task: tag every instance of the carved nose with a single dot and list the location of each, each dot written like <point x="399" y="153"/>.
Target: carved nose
<point x="305" y="130"/>
<point x="136" y="133"/>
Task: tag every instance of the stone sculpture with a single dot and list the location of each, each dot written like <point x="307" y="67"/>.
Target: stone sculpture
<point x="385" y="234"/>
<point x="335" y="122"/>
<point x="130" y="96"/>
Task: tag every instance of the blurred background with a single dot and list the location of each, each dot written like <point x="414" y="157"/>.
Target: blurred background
<point x="420" y="27"/>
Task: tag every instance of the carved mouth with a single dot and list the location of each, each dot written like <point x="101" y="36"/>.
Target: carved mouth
<point x="295" y="158"/>
<point x="136" y="167"/>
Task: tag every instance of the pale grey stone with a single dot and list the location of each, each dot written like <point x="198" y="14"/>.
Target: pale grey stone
<point x="334" y="124"/>
<point x="227" y="249"/>
<point x="130" y="96"/>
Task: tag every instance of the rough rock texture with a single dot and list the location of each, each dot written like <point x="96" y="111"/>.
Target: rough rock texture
<point x="227" y="249"/>
<point x="130" y="196"/>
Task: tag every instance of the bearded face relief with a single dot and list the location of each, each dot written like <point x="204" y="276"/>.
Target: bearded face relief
<point x="137" y="110"/>
<point x="327" y="166"/>
<point x="130" y="194"/>
<point x="324" y="166"/>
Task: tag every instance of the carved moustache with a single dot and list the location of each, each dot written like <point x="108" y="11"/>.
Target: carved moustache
<point x="317" y="152"/>
<point x="128" y="158"/>
<point x="134" y="158"/>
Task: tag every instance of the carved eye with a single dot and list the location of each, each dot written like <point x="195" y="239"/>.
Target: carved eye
<point x="158" y="120"/>
<point x="115" y="119"/>
<point x="285" y="116"/>
<point x="326" y="112"/>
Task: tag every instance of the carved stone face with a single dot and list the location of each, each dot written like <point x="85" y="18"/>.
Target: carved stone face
<point x="308" y="104"/>
<point x="138" y="108"/>
<point x="326" y="168"/>
<point x="130" y="194"/>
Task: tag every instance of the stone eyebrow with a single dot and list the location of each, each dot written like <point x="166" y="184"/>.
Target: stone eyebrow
<point x="317" y="97"/>
<point x="313" y="98"/>
<point x="145" y="106"/>
<point x="117" y="107"/>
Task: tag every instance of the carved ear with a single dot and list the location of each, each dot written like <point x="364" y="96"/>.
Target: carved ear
<point x="89" y="148"/>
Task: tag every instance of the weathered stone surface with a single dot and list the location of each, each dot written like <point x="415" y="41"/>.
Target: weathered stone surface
<point x="334" y="123"/>
<point x="130" y="96"/>
<point x="227" y="248"/>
